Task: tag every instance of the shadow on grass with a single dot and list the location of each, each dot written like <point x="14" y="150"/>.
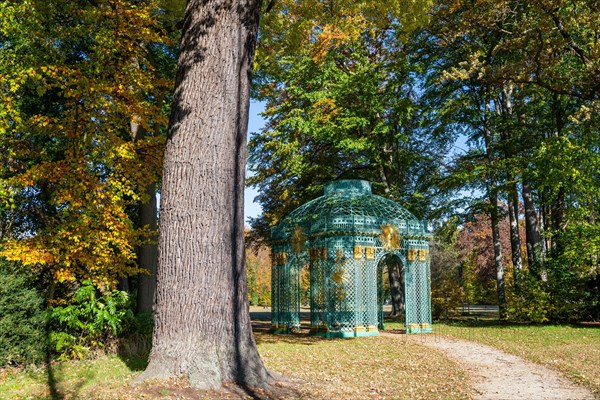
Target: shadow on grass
<point x="134" y="351"/>
<point x="301" y="338"/>
<point x="51" y="378"/>
<point x="60" y="390"/>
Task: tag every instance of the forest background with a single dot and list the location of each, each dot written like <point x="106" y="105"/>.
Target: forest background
<point x="348" y="93"/>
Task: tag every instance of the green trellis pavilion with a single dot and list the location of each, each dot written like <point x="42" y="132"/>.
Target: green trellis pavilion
<point x="344" y="238"/>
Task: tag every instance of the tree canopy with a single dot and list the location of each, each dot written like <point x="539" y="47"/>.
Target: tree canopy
<point x="73" y="78"/>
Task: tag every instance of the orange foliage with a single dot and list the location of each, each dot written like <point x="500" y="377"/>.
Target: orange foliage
<point x="258" y="264"/>
<point x="72" y="165"/>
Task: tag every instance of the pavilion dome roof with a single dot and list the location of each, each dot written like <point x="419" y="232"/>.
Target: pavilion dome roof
<point x="348" y="206"/>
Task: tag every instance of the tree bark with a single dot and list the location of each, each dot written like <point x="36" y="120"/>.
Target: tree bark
<point x="531" y="222"/>
<point x="533" y="237"/>
<point x="505" y="109"/>
<point x="500" y="288"/>
<point x="148" y="217"/>
<point x="515" y="237"/>
<point x="557" y="208"/>
<point x="396" y="286"/>
<point x="202" y="323"/>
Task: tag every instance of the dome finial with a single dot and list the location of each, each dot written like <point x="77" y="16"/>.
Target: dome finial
<point x="348" y="186"/>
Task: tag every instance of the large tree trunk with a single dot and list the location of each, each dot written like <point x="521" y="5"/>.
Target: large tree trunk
<point x="395" y="275"/>
<point x="202" y="324"/>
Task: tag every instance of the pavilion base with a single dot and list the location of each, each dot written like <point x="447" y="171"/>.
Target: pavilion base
<point x="344" y="334"/>
<point x="359" y="331"/>
<point x="419" y="328"/>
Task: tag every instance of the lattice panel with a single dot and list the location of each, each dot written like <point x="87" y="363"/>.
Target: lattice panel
<point x="285" y="292"/>
<point x="417" y="288"/>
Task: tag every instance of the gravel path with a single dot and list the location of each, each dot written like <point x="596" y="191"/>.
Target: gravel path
<point x="500" y="376"/>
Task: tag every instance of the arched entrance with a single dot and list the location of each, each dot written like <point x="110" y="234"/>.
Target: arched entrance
<point x="390" y="279"/>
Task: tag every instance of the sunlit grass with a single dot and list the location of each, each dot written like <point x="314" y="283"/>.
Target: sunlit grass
<point x="366" y="368"/>
<point x="91" y="379"/>
<point x="371" y="368"/>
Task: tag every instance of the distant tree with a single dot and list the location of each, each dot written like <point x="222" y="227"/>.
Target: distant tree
<point x="475" y="250"/>
<point x="343" y="105"/>
<point x="449" y="282"/>
<point x="258" y="265"/>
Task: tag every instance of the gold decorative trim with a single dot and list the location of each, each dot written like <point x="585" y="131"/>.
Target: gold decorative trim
<point x="370" y="253"/>
<point x="410" y="255"/>
<point x="422" y="255"/>
<point x="323" y="253"/>
<point x="358" y="252"/>
<point x="338" y="275"/>
<point x="389" y="238"/>
<point x="279" y="258"/>
<point x="367" y="234"/>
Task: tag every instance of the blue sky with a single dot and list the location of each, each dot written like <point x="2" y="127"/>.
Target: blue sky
<point x="255" y="123"/>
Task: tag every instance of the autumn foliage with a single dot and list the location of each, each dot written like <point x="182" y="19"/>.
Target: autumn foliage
<point x="73" y="77"/>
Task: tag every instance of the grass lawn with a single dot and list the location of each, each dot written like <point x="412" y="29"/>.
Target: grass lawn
<point x="573" y="350"/>
<point x="366" y="368"/>
<point x="90" y="379"/>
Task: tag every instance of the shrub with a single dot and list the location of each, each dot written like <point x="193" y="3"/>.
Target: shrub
<point x="22" y="317"/>
<point x="529" y="301"/>
<point x="566" y="296"/>
<point x="89" y="321"/>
